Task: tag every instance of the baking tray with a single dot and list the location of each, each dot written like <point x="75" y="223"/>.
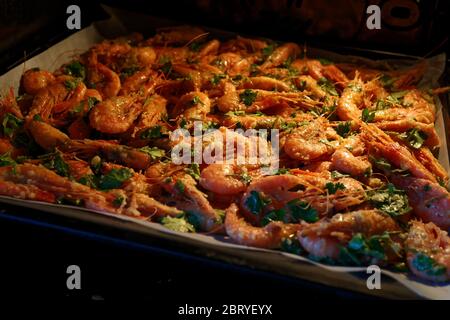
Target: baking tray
<point x="394" y="285"/>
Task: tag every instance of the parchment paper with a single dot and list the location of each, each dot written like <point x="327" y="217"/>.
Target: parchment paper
<point x="394" y="285"/>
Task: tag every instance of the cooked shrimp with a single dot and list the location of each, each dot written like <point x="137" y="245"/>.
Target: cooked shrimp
<point x="311" y="141"/>
<point x="429" y="200"/>
<point x="344" y="161"/>
<point x="34" y="80"/>
<point x="307" y="187"/>
<point x="324" y="238"/>
<point x="425" y="157"/>
<point x="47" y="136"/>
<point x="381" y="144"/>
<point x="87" y="149"/>
<point x="225" y="179"/>
<point x="267" y="237"/>
<point x="428" y="252"/>
<point x="184" y="187"/>
<point x="348" y="107"/>
<point x="265" y="83"/>
<point x="281" y="54"/>
<point x="47" y="180"/>
<point x="115" y="115"/>
<point x="25" y="191"/>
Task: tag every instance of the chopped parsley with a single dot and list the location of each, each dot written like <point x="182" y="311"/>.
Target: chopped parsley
<point x="414" y="137"/>
<point x="118" y="201"/>
<point x="343" y="129"/>
<point x="362" y="250"/>
<point x="256" y="202"/>
<point x="75" y="69"/>
<point x="302" y="211"/>
<point x="390" y="200"/>
<point x="11" y="124"/>
<point x="152" y="133"/>
<point x="367" y="116"/>
<point x="332" y="188"/>
<point x="6" y="160"/>
<point x="428" y="265"/>
<point x="216" y="78"/>
<point x="194" y="171"/>
<point x="153" y="152"/>
<point x="177" y="224"/>
<point x="179" y="185"/>
<point x="54" y="161"/>
<point x="248" y="97"/>
<point x="274" y="215"/>
<point x="115" y="178"/>
<point x="327" y="86"/>
<point x="292" y="245"/>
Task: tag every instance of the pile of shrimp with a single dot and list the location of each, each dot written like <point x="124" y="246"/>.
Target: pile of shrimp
<point x="358" y="182"/>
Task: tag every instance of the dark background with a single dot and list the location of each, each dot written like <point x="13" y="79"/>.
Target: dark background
<point x="37" y="248"/>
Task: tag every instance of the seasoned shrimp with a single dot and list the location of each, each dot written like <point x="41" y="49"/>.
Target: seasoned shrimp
<point x="281" y="54"/>
<point x="425" y="157"/>
<point x="34" y="80"/>
<point x="265" y="83"/>
<point x="47" y="136"/>
<point x="267" y="237"/>
<point x="344" y="161"/>
<point x="115" y="115"/>
<point x="308" y="187"/>
<point x="87" y="149"/>
<point x="429" y="200"/>
<point x="324" y="238"/>
<point x="311" y="141"/>
<point x="62" y="94"/>
<point x="381" y="144"/>
<point x="49" y="181"/>
<point x="101" y="77"/>
<point x="352" y="98"/>
<point x="428" y="252"/>
<point x="225" y="179"/>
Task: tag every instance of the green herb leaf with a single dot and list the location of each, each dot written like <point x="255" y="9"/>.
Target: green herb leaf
<point x="6" y="160"/>
<point x="11" y="124"/>
<point x="217" y="77"/>
<point x="71" y="84"/>
<point x="179" y="185"/>
<point x="177" y="224"/>
<point x="337" y="175"/>
<point x="325" y="62"/>
<point x="256" y="202"/>
<point x="248" y="97"/>
<point x="89" y="180"/>
<point x="267" y="51"/>
<point x="302" y="211"/>
<point x="152" y="133"/>
<point x="54" y="161"/>
<point x="414" y="137"/>
<point x="75" y="69"/>
<point x="194" y="171"/>
<point x="390" y="200"/>
<point x="367" y="116"/>
<point x="115" y="178"/>
<point x="292" y="245"/>
<point x="343" y="129"/>
<point x="334" y="187"/>
<point x="428" y="265"/>
<point x="274" y="215"/>
<point x="118" y="201"/>
<point x="153" y="152"/>
<point x="327" y="86"/>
